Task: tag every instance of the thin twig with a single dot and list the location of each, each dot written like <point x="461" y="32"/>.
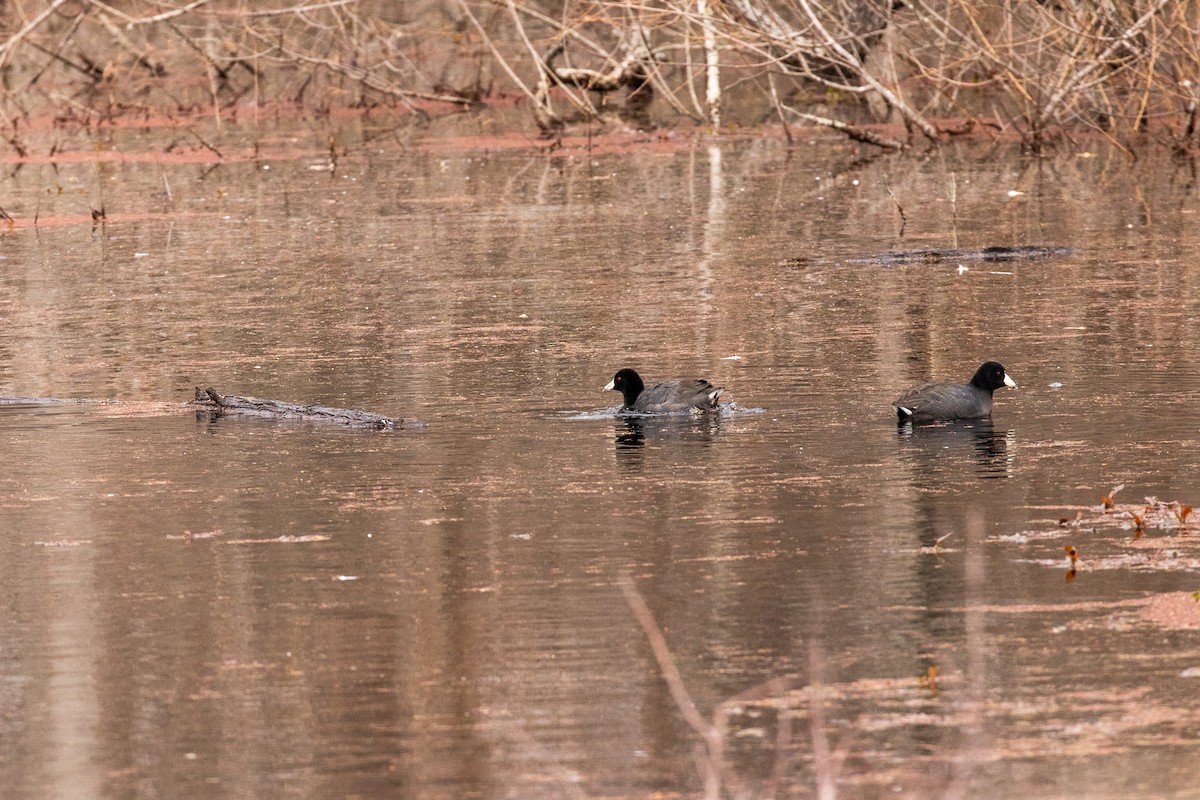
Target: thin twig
<point x="903" y="219"/>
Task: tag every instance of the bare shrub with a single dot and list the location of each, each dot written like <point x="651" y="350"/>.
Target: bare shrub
<point x="1036" y="69"/>
<point x="97" y="59"/>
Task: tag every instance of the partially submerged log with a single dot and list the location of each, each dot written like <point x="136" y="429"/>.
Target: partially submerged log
<point x="209" y="400"/>
<point x="936" y="255"/>
<point x="947" y="255"/>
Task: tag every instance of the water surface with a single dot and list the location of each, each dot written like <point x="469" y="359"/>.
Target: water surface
<point x="240" y="608"/>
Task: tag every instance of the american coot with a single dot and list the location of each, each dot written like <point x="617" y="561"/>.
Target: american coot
<point x="667" y="396"/>
<point x="931" y="402"/>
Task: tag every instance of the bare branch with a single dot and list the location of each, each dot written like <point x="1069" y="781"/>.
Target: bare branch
<point x="1051" y="106"/>
<point x="853" y="131"/>
<point x="541" y="103"/>
<point x="163" y="17"/>
<point x="13" y="40"/>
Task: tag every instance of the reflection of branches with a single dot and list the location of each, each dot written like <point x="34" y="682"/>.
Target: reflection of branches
<point x="719" y="779"/>
<point x="714" y="741"/>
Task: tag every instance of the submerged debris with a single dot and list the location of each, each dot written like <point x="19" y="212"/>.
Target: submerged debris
<point x="985" y="254"/>
<point x="947" y="255"/>
<point x="209" y="400"/>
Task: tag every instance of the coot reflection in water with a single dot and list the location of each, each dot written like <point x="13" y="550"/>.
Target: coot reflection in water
<point x="939" y="448"/>
<point x="633" y="433"/>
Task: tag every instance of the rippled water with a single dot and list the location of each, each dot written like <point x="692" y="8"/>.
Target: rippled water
<point x="241" y="608"/>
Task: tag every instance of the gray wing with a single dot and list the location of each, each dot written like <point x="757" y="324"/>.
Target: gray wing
<point x="933" y="401"/>
<point x="678" y="395"/>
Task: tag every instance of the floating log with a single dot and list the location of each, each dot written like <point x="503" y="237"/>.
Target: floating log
<point x="1018" y="253"/>
<point x="209" y="400"/>
<point x="941" y="256"/>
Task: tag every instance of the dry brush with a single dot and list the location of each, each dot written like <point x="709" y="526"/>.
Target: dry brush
<point x="1038" y="70"/>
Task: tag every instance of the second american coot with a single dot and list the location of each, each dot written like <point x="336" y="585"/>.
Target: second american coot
<point x="668" y="396"/>
<point x="932" y="402"/>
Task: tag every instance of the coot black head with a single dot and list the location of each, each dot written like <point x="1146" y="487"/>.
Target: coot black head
<point x="991" y="376"/>
<point x="628" y="383"/>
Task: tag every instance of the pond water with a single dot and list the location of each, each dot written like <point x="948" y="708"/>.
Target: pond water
<point x="214" y="608"/>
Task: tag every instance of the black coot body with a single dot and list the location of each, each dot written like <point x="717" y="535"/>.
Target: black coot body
<point x="668" y="396"/>
<point x="933" y="402"/>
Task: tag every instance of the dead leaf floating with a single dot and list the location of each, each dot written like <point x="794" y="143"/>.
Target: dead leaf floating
<point x="1149" y="535"/>
<point x="1109" y="499"/>
<point x="1139" y="524"/>
<point x="929" y="680"/>
<point x="1073" y="555"/>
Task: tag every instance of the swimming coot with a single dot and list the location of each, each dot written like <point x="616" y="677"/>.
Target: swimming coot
<point x="677" y="395"/>
<point x="931" y="402"/>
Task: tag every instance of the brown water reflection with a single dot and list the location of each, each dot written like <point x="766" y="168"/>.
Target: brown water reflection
<point x="230" y="607"/>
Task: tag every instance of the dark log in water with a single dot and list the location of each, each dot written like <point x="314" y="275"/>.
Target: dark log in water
<point x="209" y="400"/>
<point x="1020" y="253"/>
